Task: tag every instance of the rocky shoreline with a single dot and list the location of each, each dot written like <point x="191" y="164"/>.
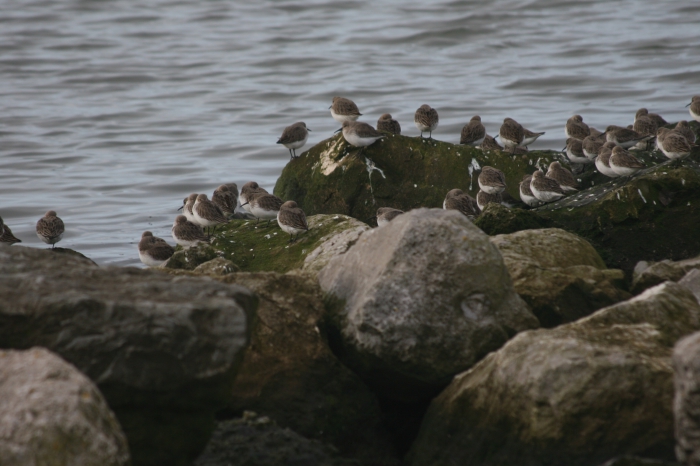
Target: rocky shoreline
<point x="546" y="336"/>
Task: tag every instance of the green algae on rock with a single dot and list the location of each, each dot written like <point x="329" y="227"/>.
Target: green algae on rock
<point x="262" y="247"/>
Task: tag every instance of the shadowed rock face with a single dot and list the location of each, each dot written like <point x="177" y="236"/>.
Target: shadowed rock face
<point x="50" y="413"/>
<point x="418" y="300"/>
<point x="164" y="351"/>
<point x="686" y="364"/>
<point x="559" y="275"/>
<point x="646" y="274"/>
<point x="576" y="395"/>
<point x="290" y="375"/>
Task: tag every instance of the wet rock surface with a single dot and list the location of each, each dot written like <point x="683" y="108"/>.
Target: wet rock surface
<point x="290" y="374"/>
<point x="686" y="405"/>
<point x="51" y="414"/>
<point x="418" y="300"/>
<point x="163" y="350"/>
<point x="648" y="274"/>
<point x="559" y="275"/>
<point x="579" y="394"/>
<point x="258" y="441"/>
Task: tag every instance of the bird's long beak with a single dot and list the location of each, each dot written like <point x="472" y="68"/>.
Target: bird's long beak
<point x="181" y="207"/>
<point x="330" y="107"/>
<point x="689" y="104"/>
<point x="307" y="129"/>
<point x="245" y="203"/>
<point x="496" y="136"/>
<point x="338" y="130"/>
<point x="564" y="149"/>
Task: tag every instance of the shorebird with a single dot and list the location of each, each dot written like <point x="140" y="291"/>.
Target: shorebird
<point x="154" y="251"/>
<point x="574" y="152"/>
<point x="529" y="137"/>
<point x="249" y="188"/>
<point x="292" y="219"/>
<point x="294" y="137"/>
<point x="492" y="180"/>
<point x="484" y="198"/>
<point x="684" y="128"/>
<point x="512" y="134"/>
<point x="473" y="133"/>
<point x="456" y="199"/>
<point x="207" y="214"/>
<point x="545" y="189"/>
<point x="426" y="119"/>
<point x="186" y="208"/>
<point x="386" y="215"/>
<point x="388" y="124"/>
<point x="224" y="200"/>
<point x="186" y="233"/>
<point x="655" y="117"/>
<point x="623" y="163"/>
<point x="265" y="206"/>
<point x="50" y="228"/>
<point x="576" y="128"/>
<point x="343" y="110"/>
<point x="6" y="235"/>
<point x="564" y="177"/>
<point x="591" y="145"/>
<point x="694" y="107"/>
<point x="360" y="134"/>
<point x="624" y="137"/>
<point x="526" y="194"/>
<point x="644" y="125"/>
<point x="673" y="144"/>
<point x="489" y="143"/>
<point x="602" y="161"/>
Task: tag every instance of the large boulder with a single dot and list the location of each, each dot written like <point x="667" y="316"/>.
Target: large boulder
<point x="686" y="405"/>
<point x="51" y="414"/>
<point x="559" y="274"/>
<point x="419" y="300"/>
<point x="290" y="374"/>
<point x="576" y="395"/>
<point x="263" y="247"/>
<point x="648" y="274"/>
<point x="163" y="350"/>
<point x="258" y="441"/>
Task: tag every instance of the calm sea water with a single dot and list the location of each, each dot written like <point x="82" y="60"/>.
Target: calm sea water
<point x="113" y="111"/>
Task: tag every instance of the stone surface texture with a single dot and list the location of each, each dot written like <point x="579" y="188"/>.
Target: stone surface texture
<point x="648" y="274"/>
<point x="559" y="275"/>
<point x="576" y="395"/>
<point x="419" y="300"/>
<point x="52" y="415"/>
<point x="686" y="404"/>
<point x="163" y="350"/>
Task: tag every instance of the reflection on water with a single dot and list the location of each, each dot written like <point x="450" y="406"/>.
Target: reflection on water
<point x="113" y="111"/>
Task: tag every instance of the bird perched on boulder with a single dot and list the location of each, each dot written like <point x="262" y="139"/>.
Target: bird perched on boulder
<point x="294" y="137"/>
<point x="50" y="228"/>
<point x="426" y="120"/>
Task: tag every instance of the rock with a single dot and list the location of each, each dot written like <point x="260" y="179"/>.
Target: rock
<point x="559" y="275"/>
<point x="257" y="441"/>
<point x="191" y="258"/>
<point x="51" y="414"/>
<point x="691" y="281"/>
<point x="497" y="219"/>
<point x="576" y="395"/>
<point x="419" y="300"/>
<point x="686" y="364"/>
<point x="262" y="247"/>
<point x="73" y="254"/>
<point x="647" y="274"/>
<point x="331" y="246"/>
<point x="163" y="350"/>
<point x="637" y="461"/>
<point x="290" y="374"/>
<point x="218" y="266"/>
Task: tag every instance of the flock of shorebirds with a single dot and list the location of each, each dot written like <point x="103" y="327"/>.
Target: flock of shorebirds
<point x="584" y="145"/>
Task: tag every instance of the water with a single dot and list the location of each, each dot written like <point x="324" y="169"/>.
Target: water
<point x="113" y="111"/>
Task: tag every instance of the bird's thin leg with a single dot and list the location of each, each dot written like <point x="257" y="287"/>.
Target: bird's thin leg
<point x="290" y="154"/>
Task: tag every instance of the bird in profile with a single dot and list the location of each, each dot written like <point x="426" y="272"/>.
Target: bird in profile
<point x="224" y="200"/>
<point x="249" y="188"/>
<point x="564" y="177"/>
<point x="483" y="199"/>
<point x="207" y="214"/>
<point x="526" y="194"/>
<point x="624" y="137"/>
<point x="694" y="107"/>
<point x="576" y="128"/>
<point x="473" y="133"/>
<point x="154" y="251"/>
<point x="50" y="228"/>
<point x="388" y="124"/>
<point x="512" y="134"/>
<point x="602" y="161"/>
<point x="492" y="180"/>
<point x="458" y="200"/>
<point x="673" y="144"/>
<point x="426" y="120"/>
<point x="6" y="235"/>
<point x="655" y="117"/>
<point x="360" y="134"/>
<point x="265" y="206"/>
<point x="684" y="128"/>
<point x="623" y="163"/>
<point x="294" y="137"/>
<point x="386" y="215"/>
<point x="186" y="233"/>
<point x="545" y="189"/>
<point x="529" y="137"/>
<point x="292" y="219"/>
<point x="343" y="110"/>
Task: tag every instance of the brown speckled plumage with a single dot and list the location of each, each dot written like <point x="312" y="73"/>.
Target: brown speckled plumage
<point x="473" y="133"/>
<point x="562" y="176"/>
<point x="576" y="128"/>
<point x="511" y="133"/>
<point x="6" y="235"/>
<point x="456" y="199"/>
<point x="388" y="124"/>
<point x="50" y="228"/>
<point x="426" y="119"/>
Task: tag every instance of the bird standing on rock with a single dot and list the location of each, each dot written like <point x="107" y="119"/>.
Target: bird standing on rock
<point x="672" y="143"/>
<point x="473" y="133"/>
<point x="6" y="235"/>
<point x="186" y="233"/>
<point x="483" y="199"/>
<point x="564" y="177"/>
<point x="223" y="199"/>
<point x="655" y="117"/>
<point x="545" y="189"/>
<point x="294" y="137"/>
<point x="624" y="137"/>
<point x="292" y="219"/>
<point x="492" y="180"/>
<point x="526" y="194"/>
<point x="247" y="190"/>
<point x="207" y="214"/>
<point x="343" y="110"/>
<point x="154" y="251"/>
<point x="602" y="161"/>
<point x="684" y="128"/>
<point x="388" y="124"/>
<point x="529" y="137"/>
<point x="512" y="134"/>
<point x="623" y="163"/>
<point x="386" y="215"/>
<point x="576" y="128"/>
<point x="426" y="119"/>
<point x="50" y="228"/>
<point x="360" y="134"/>
<point x="458" y="200"/>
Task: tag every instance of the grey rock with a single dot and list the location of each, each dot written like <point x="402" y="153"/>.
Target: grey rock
<point x="648" y="274"/>
<point x="419" y="300"/>
<point x="333" y="245"/>
<point x="686" y="404"/>
<point x="191" y="258"/>
<point x="637" y="461"/>
<point x="576" y="395"/>
<point x="51" y="414"/>
<point x="218" y="266"/>
<point x="691" y="280"/>
<point x="163" y="350"/>
<point x="559" y="275"/>
<point x="258" y="441"/>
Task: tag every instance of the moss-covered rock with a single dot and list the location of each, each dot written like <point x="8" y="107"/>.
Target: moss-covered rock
<point x="261" y="246"/>
<point x="218" y="266"/>
<point x="559" y="274"/>
<point x="497" y="219"/>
